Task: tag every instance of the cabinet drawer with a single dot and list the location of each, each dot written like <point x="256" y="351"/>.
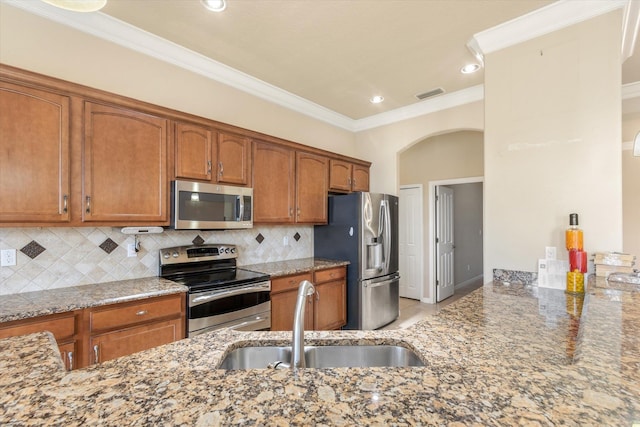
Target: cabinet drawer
<point x="331" y="274"/>
<point x="287" y="283"/>
<point x="122" y="315"/>
<point x="62" y="327"/>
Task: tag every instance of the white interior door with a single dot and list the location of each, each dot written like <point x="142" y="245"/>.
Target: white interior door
<point x="444" y="243"/>
<point x="410" y="248"/>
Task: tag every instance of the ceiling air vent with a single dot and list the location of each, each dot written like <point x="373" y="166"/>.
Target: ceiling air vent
<point x="429" y="94"/>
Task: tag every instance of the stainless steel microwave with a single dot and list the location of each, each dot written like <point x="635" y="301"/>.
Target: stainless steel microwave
<point x="202" y="206"/>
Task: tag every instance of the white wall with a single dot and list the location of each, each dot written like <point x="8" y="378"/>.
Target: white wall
<point x="552" y="143"/>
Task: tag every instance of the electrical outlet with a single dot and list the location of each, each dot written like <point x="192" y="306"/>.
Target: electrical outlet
<point x="285" y="240"/>
<point x="7" y="257"/>
<point x="131" y="250"/>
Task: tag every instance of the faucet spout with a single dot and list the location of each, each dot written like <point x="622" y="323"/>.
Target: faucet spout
<point x="297" y="345"/>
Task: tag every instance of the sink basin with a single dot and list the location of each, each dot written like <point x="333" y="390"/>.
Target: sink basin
<point x="330" y="356"/>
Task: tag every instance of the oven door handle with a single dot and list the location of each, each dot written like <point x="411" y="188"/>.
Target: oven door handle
<point x="217" y="295"/>
<point x="248" y="322"/>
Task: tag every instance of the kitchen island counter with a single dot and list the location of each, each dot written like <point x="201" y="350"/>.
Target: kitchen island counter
<point x="504" y="355"/>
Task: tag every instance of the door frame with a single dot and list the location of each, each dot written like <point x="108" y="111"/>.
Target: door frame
<point x="432" y="228"/>
<point x="420" y="237"/>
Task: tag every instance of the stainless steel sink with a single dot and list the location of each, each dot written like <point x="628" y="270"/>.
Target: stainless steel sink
<point x="330" y="356"/>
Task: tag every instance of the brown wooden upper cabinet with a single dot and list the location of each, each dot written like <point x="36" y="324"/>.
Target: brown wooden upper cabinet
<point x="207" y="155"/>
<point x="273" y="183"/>
<point x="288" y="185"/>
<point x="124" y="168"/>
<point x="34" y="155"/>
<point x="312" y="188"/>
<point x="345" y="177"/>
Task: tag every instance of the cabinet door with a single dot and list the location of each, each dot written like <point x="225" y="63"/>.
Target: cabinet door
<point x="330" y="310"/>
<point x="283" y="306"/>
<point x="69" y="355"/>
<point x="360" y="178"/>
<point x="312" y="187"/>
<point x="124" y="166"/>
<point x="234" y="157"/>
<point x="193" y="152"/>
<point x="273" y="183"/>
<point x="34" y="155"/>
<point x="121" y="343"/>
<point x="339" y="175"/>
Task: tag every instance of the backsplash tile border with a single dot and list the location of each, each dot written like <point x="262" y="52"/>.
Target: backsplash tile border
<point x="73" y="255"/>
<point x="515" y="276"/>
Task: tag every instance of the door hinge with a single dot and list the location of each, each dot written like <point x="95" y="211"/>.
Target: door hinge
<point x="437" y="283"/>
<point x="437" y="240"/>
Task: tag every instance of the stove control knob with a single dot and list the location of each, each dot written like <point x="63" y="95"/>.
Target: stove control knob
<point x="226" y="250"/>
<point x="176" y="254"/>
<point x="233" y="250"/>
<point x="165" y="255"/>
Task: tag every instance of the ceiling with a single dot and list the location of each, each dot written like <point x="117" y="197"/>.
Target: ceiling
<point x="327" y="58"/>
<point x="335" y="53"/>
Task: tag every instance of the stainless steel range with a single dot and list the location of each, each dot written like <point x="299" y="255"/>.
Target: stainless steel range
<point x="220" y="294"/>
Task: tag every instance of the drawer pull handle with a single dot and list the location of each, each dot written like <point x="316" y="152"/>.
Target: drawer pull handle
<point x="88" y="200"/>
<point x="65" y="203"/>
<point x="96" y="354"/>
<point x="141" y="312"/>
<point x="70" y="359"/>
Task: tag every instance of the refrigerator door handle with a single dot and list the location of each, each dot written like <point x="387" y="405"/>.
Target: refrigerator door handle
<point x="385" y="224"/>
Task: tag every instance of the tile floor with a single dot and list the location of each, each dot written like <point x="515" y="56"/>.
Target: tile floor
<point x="412" y="311"/>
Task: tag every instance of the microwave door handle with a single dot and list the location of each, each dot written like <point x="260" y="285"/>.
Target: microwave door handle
<point x="240" y="208"/>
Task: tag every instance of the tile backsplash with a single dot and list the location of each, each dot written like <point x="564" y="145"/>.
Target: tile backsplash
<point x="49" y="258"/>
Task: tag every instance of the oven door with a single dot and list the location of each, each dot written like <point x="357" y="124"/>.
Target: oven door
<point x="242" y="307"/>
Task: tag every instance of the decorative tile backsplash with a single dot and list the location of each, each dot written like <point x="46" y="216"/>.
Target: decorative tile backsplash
<point x="62" y="257"/>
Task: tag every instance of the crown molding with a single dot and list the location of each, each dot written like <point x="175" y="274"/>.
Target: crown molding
<point x="630" y="28"/>
<point x="442" y="102"/>
<point x="631" y="90"/>
<point x="542" y="21"/>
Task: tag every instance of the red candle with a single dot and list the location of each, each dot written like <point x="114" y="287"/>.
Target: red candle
<point x="578" y="261"/>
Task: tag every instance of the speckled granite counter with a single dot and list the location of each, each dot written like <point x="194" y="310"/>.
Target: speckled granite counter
<point x="504" y="355"/>
<point x="295" y="266"/>
<point x="32" y="304"/>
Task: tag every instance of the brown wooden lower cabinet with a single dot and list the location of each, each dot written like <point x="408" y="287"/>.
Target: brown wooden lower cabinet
<point x="64" y="327"/>
<point x="98" y="334"/>
<point x="325" y="310"/>
<point x="121" y="343"/>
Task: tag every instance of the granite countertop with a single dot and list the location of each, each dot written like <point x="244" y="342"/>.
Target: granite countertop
<point x="503" y="355"/>
<point x="40" y="303"/>
<point x="294" y="266"/>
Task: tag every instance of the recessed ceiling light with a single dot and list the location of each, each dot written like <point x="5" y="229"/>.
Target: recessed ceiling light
<point x="215" y="5"/>
<point x="376" y="99"/>
<point x="470" y="68"/>
<point x="78" y="5"/>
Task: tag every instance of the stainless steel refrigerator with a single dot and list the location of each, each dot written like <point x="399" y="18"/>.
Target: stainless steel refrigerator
<point x="363" y="229"/>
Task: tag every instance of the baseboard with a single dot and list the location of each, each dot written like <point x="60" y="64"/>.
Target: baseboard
<point x="466" y="282"/>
